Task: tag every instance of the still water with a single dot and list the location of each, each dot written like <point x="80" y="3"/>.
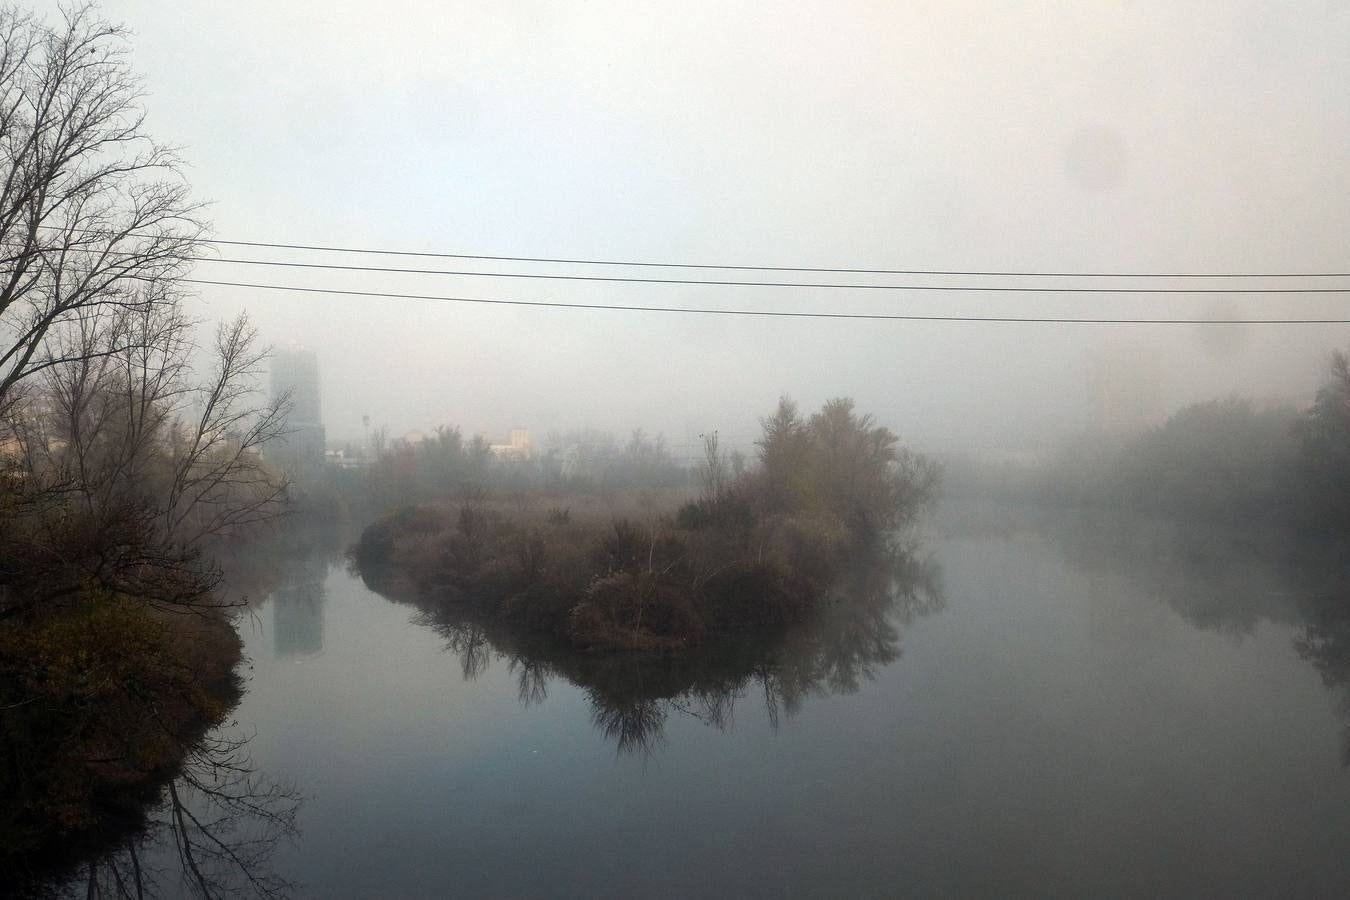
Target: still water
<point x="1053" y="714"/>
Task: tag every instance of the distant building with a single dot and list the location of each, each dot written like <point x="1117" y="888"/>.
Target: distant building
<point x="516" y="447"/>
<point x="300" y="451"/>
<point x="344" y="458"/>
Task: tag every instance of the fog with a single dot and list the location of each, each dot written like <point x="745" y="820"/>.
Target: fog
<point x="1062" y="137"/>
<point x="720" y="449"/>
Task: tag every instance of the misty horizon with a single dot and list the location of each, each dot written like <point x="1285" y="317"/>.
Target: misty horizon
<point x="717" y="449"/>
<point x="1129" y="137"/>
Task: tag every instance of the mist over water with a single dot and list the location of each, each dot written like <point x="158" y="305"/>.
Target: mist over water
<point x="1064" y="690"/>
<point x="708" y="449"/>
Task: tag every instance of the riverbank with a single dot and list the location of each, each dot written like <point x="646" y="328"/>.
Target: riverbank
<point x="102" y="698"/>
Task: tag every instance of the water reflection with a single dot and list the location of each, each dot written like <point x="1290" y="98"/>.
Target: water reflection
<point x="633" y="696"/>
<point x="1229" y="580"/>
<point x="1222" y="579"/>
<point x="297" y="609"/>
<point x="211" y="829"/>
<point x="1324" y="641"/>
<point x="213" y="834"/>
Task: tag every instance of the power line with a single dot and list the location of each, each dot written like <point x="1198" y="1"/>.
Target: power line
<point x="712" y="311"/>
<point x="735" y="267"/>
<point x="984" y="288"/>
<point x="758" y="268"/>
<point x="997" y="288"/>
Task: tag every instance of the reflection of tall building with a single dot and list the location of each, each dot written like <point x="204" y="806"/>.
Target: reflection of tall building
<point x="300" y="452"/>
<point x="1126" y="387"/>
<point x="297" y="611"/>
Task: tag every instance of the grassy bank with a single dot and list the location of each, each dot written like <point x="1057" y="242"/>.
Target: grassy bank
<point x="101" y="698"/>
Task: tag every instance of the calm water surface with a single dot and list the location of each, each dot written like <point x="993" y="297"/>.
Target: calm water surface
<point x="1070" y="721"/>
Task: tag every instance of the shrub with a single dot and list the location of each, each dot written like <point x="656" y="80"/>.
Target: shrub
<point x="623" y="548"/>
<point x="531" y="555"/>
<point x="418" y="520"/>
<point x="376" y="545"/>
<point x="730" y="511"/>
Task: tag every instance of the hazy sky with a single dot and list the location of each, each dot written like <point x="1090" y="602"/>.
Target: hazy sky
<point x="1129" y="136"/>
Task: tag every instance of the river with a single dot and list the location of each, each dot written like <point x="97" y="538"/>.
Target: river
<point x="1057" y="715"/>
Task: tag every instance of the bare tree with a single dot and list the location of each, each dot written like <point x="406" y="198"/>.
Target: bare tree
<point x="714" y="469"/>
<point x="138" y="463"/>
<point x="94" y="215"/>
<point x="95" y="419"/>
<point x="220" y="483"/>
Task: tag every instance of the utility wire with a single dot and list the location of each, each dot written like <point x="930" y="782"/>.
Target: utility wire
<point x="949" y="288"/>
<point x="986" y="288"/>
<point x="744" y="268"/>
<point x="755" y="268"/>
<point x="712" y="311"/>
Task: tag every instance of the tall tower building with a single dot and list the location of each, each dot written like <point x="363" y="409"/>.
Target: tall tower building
<point x="300" y="450"/>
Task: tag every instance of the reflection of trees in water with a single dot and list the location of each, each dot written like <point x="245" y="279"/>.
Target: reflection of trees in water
<point x="213" y="834"/>
<point x="209" y="827"/>
<point x="470" y="643"/>
<point x="634" y="724"/>
<point x="854" y="634"/>
<point x="1325" y="642"/>
<point x="1231" y="581"/>
<point x="1227" y="580"/>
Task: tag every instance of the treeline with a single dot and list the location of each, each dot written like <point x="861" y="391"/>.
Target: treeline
<point x="446" y="463"/>
<point x="1222" y="461"/>
<point x="756" y="549"/>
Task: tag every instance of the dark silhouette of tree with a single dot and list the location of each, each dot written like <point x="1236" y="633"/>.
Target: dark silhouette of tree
<point x="223" y="821"/>
<point x="1324" y="435"/>
<point x="95" y="220"/>
<point x="132" y="466"/>
<point x="842" y="463"/>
